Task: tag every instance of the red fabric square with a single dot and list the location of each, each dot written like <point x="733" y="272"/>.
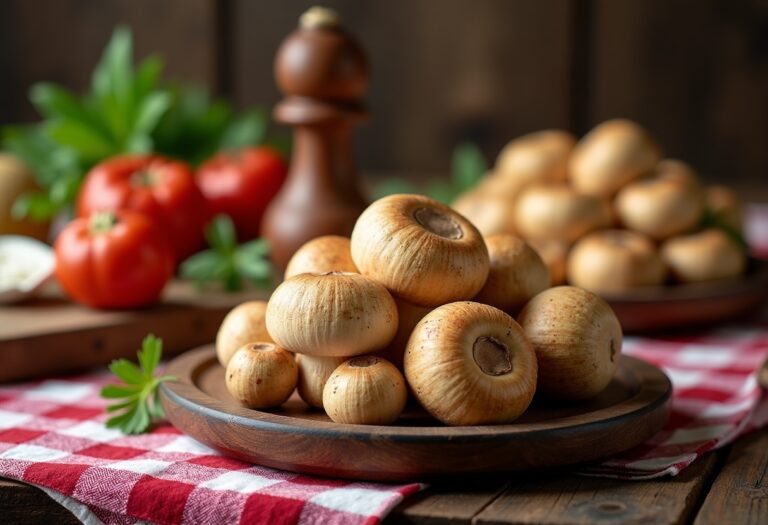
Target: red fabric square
<point x="704" y="393"/>
<point x="110" y="452"/>
<point x="73" y="412"/>
<point x="19" y="435"/>
<point x="62" y="478"/>
<point x="219" y="462"/>
<point x="159" y="500"/>
<point x="260" y="508"/>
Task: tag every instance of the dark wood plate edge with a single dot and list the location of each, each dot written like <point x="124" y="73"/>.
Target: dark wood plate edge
<point x="654" y="396"/>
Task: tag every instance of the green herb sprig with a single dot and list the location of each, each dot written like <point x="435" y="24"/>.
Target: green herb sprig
<point x="137" y="401"/>
<point x="227" y="262"/>
<point x="467" y="168"/>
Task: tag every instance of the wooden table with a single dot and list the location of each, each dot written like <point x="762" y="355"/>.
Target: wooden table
<point x="729" y="486"/>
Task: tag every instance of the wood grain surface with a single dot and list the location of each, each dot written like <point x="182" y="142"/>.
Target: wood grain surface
<point x="51" y="335"/>
<point x="296" y="438"/>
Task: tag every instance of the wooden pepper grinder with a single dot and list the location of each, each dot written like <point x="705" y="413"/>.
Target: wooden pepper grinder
<point x="323" y="73"/>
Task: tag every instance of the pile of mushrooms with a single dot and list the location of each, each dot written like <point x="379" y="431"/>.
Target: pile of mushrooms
<point x="417" y="302"/>
<point x="607" y="213"/>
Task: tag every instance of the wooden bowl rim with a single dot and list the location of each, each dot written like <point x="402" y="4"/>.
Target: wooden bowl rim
<point x="654" y="391"/>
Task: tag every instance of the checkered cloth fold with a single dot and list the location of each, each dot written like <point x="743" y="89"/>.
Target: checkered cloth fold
<point x="52" y="435"/>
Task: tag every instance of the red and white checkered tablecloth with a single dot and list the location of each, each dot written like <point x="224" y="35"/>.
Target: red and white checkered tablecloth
<point x="52" y="435"/>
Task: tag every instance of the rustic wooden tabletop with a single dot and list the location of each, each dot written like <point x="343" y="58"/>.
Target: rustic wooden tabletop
<point x="729" y="486"/>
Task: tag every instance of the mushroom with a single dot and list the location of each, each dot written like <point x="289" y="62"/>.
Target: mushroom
<point x="420" y="249"/>
<point x="669" y="202"/>
<point x="470" y="364"/>
<point x="491" y="213"/>
<point x="558" y="212"/>
<point x="331" y="314"/>
<point x="517" y="274"/>
<point x="577" y="339"/>
<point x="723" y="203"/>
<point x="242" y="325"/>
<point x="705" y="256"/>
<point x="322" y="254"/>
<point x="365" y="390"/>
<point x="408" y="316"/>
<point x="314" y="372"/>
<point x="614" y="261"/>
<point x="536" y="157"/>
<point x="261" y="375"/>
<point x="554" y="254"/>
<point x="611" y="155"/>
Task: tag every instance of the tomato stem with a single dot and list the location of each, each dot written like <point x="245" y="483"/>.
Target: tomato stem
<point x="102" y="221"/>
<point x="145" y="178"/>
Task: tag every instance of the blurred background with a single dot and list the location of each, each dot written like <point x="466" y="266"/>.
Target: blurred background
<point x="693" y="73"/>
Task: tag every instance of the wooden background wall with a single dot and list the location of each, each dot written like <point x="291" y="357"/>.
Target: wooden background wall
<point x="694" y="72"/>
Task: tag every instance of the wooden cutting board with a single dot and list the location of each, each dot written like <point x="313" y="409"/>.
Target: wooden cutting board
<point x="51" y="335"/>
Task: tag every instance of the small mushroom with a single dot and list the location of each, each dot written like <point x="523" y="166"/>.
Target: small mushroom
<point x="577" y="339"/>
<point x="242" y="325"/>
<point x="365" y="390"/>
<point x="723" y="203"/>
<point x="558" y="212"/>
<point x="614" y="261"/>
<point x="705" y="256"/>
<point x="324" y="254"/>
<point x="668" y="203"/>
<point x="261" y="375"/>
<point x="611" y="155"/>
<point x="490" y="212"/>
<point x="554" y="254"/>
<point x="408" y="316"/>
<point x="536" y="157"/>
<point x="331" y="314"/>
<point x="420" y="249"/>
<point x="517" y="274"/>
<point x="470" y="364"/>
<point x="314" y="372"/>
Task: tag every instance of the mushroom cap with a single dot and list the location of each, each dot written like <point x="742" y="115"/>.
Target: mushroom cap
<point x="261" y="375"/>
<point x="243" y="324"/>
<point x="577" y="339"/>
<point x="704" y="256"/>
<point x="420" y="249"/>
<point x="470" y="364"/>
<point x="329" y="253"/>
<point x="541" y="156"/>
<point x="614" y="261"/>
<point x="332" y="314"/>
<point x="490" y="213"/>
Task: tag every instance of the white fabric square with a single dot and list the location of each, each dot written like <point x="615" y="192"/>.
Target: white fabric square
<point x="684" y="378"/>
<point x="92" y="430"/>
<point x="13" y="419"/>
<point x="186" y="444"/>
<point x="239" y="481"/>
<point x="697" y="434"/>
<point x="33" y="453"/>
<point x="345" y="499"/>
<point x="704" y="356"/>
<point x="140" y="466"/>
<point x="657" y="463"/>
<point x="59" y="391"/>
<point x="723" y="410"/>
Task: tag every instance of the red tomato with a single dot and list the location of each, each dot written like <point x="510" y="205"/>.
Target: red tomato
<point x="241" y="185"/>
<point x="161" y="188"/>
<point x="113" y="260"/>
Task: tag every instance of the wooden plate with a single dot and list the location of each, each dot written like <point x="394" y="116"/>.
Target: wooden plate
<point x="690" y="305"/>
<point x="296" y="438"/>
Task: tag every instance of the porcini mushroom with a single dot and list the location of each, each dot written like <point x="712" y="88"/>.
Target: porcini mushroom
<point x="242" y="325"/>
<point x="558" y="212"/>
<point x="328" y="253"/>
<point x="470" y="364"/>
<point x="577" y="340"/>
<point x="517" y="274"/>
<point x="705" y="256"/>
<point x="420" y="249"/>
<point x="667" y="203"/>
<point x="261" y="375"/>
<point x="611" y="155"/>
<point x="365" y="390"/>
<point x="331" y="314"/>
<point x="314" y="372"/>
<point x="614" y="261"/>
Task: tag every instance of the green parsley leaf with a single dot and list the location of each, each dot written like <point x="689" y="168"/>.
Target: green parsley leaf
<point x="138" y="397"/>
